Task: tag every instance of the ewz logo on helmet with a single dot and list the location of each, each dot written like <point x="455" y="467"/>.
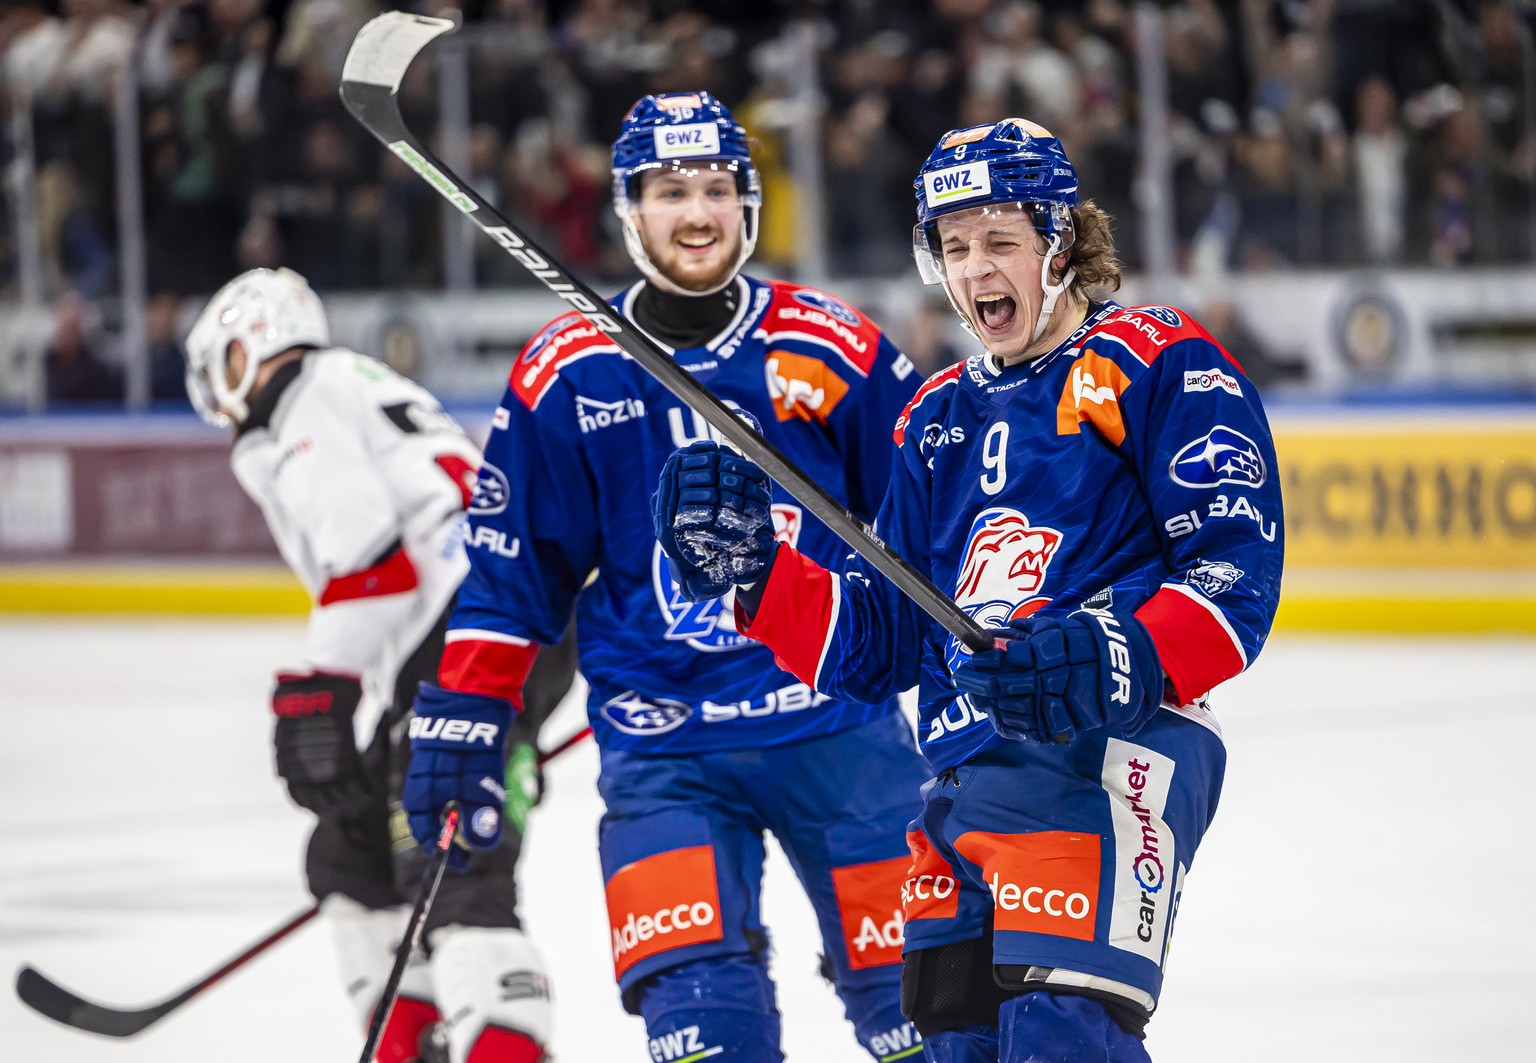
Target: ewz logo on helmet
<point x="958" y="182"/>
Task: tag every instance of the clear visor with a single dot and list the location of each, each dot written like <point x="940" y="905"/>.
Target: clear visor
<point x="685" y="184"/>
<point x="989" y="238"/>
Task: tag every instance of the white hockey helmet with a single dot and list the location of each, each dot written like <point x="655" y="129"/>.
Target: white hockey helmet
<point x="269" y="312"/>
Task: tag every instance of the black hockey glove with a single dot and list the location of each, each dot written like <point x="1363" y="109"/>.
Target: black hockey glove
<point x="1051" y="678"/>
<point x="712" y="515"/>
<point x="316" y="752"/>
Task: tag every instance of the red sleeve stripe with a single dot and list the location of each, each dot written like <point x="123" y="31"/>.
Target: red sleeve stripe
<point x="797" y="615"/>
<point x="483" y="662"/>
<point x="1195" y="643"/>
<point x="393" y="575"/>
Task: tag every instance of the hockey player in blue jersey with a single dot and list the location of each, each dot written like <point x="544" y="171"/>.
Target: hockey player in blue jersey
<point x="1099" y="486"/>
<point x="705" y="742"/>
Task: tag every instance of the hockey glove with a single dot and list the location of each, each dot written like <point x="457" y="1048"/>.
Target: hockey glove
<point x="712" y="517"/>
<point x="316" y="752"/>
<point x="458" y="753"/>
<point x="1053" y="678"/>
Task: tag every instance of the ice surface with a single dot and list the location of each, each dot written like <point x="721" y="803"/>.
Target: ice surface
<point x="1365" y="893"/>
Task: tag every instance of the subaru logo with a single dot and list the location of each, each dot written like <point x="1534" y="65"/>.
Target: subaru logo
<point x="634" y="715"/>
<point x="491" y="491"/>
<point x="1166" y="315"/>
<point x="825" y="303"/>
<point x="1221" y="456"/>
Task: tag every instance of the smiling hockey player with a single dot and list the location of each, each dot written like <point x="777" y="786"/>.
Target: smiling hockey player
<point x="363" y="480"/>
<point x="1100" y="487"/>
<point x="706" y="744"/>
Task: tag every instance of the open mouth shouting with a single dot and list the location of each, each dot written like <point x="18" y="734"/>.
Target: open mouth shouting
<point x="996" y="312"/>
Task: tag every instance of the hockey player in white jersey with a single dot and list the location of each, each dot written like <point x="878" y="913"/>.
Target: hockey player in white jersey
<point x="363" y="480"/>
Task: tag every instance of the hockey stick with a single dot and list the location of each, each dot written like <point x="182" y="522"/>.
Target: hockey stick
<point x="370" y="81"/>
<point x="431" y="878"/>
<point x="51" y="1000"/>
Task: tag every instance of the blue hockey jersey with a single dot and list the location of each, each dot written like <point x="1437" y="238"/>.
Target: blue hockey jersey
<point x="1130" y="469"/>
<point x="561" y="516"/>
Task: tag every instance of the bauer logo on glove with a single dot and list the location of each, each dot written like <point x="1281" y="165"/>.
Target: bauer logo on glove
<point x="458" y="755"/>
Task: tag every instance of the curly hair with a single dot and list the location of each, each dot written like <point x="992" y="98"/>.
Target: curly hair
<point x="1093" y="252"/>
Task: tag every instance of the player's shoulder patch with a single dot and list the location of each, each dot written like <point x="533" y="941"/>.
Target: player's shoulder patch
<point x="933" y="385"/>
<point x="823" y="322"/>
<point x="561" y="342"/>
<point x="1144" y="331"/>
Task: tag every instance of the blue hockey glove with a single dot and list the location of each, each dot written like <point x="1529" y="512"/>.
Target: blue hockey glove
<point x="313" y="744"/>
<point x="1053" y="678"/>
<point x="458" y="753"/>
<point x="712" y="515"/>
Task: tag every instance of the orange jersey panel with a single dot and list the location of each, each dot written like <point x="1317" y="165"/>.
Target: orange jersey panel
<point x="802" y="387"/>
<point x="1092" y="393"/>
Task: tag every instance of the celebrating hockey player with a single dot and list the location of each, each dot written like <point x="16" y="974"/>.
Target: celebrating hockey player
<point x="705" y="742"/>
<point x="1099" y="486"/>
<point x="363" y="480"/>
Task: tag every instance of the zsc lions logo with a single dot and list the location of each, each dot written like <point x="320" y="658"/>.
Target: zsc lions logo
<point x="825" y="303"/>
<point x="491" y="491"/>
<point x="1166" y="315"/>
<point x="711" y="626"/>
<point x="1213" y="577"/>
<point x="1004" y="568"/>
<point x="635" y="715"/>
<point x="1221" y="456"/>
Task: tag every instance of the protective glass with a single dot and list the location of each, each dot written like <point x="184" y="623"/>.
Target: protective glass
<point x="988" y="238"/>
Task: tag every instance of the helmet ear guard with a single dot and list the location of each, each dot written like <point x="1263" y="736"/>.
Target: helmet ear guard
<point x="686" y="131"/>
<point x="267" y="312"/>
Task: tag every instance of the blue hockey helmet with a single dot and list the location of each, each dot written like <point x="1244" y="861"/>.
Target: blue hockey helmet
<point x="686" y="131"/>
<point x="1012" y="161"/>
<point x="1012" y="165"/>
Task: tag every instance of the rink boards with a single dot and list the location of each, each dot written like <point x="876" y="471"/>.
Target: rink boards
<point x="1397" y="520"/>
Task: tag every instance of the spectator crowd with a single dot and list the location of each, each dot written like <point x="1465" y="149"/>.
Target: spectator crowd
<point x="1303" y="132"/>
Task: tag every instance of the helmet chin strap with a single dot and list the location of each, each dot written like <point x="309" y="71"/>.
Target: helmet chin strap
<point x="1051" y="292"/>
<point x="634" y="243"/>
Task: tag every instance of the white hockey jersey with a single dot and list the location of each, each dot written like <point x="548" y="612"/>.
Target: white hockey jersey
<point x="363" y="480"/>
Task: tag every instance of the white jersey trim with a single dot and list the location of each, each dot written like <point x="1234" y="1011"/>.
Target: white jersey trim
<point x="478" y="635"/>
<point x="837" y="608"/>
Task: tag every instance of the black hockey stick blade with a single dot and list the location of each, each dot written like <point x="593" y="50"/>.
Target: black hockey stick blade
<point x="370" y="80"/>
<point x="53" y="1001"/>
